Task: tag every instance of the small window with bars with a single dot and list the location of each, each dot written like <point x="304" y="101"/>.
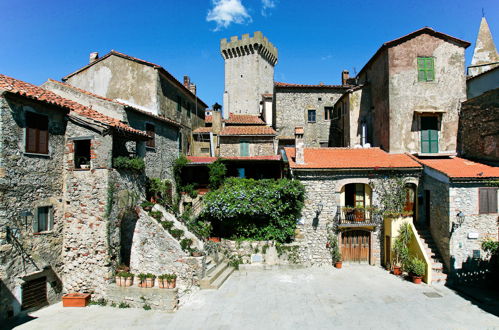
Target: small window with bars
<point x="150" y="131"/>
<point x="426" y="70"/>
<point x="37" y="133"/>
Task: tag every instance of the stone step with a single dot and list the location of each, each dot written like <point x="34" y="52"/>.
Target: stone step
<point x="205" y="283"/>
<point x="437" y="266"/>
<point x="438" y="278"/>
<point x="222" y="278"/>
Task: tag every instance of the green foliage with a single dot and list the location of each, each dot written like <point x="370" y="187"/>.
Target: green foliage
<point x="168" y="277"/>
<point x="217" y="171"/>
<point x="291" y="251"/>
<point x="255" y="209"/>
<point x="178" y="165"/>
<point x="146" y="307"/>
<point x="146" y="204"/>
<point x="142" y="276"/>
<point x="156" y="215"/>
<point x="124" y="274"/>
<point x="391" y="192"/>
<point x="211" y="247"/>
<point x="167" y="224"/>
<point x="177" y="233"/>
<point x="160" y="190"/>
<point x="417" y="266"/>
<point x="100" y="302"/>
<point x="123" y="305"/>
<point x="125" y="163"/>
<point x="401" y="247"/>
<point x="490" y="246"/>
<point x="202" y="229"/>
<point x="190" y="189"/>
<point x="149" y="275"/>
<point x="334" y="248"/>
<point x="235" y="261"/>
<point x="185" y="244"/>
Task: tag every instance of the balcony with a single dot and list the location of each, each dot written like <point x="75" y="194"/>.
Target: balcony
<point x="355" y="217"/>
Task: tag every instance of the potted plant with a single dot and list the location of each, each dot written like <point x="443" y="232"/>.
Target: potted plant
<point x="172" y="281"/>
<point x="146" y="280"/>
<point x="334" y="250"/>
<point x="196" y="253"/>
<point x="417" y="269"/>
<point x="400" y="255"/>
<point x="163" y="281"/>
<point x="124" y="279"/>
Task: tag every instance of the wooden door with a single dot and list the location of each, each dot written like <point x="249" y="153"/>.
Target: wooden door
<point x="34" y="293"/>
<point x="355" y="246"/>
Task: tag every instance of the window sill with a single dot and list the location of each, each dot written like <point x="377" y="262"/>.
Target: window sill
<point x="40" y="233"/>
<point x="436" y="154"/>
<point x="81" y="169"/>
<point x="37" y="155"/>
<point x="153" y="149"/>
<point x="311" y="122"/>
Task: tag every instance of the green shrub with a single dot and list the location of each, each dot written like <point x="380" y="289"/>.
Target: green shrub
<point x="125" y="163"/>
<point x="100" y="302"/>
<point x="123" y="305"/>
<point x="255" y="209"/>
<point x="178" y="165"/>
<point x="146" y="307"/>
<point x="217" y="171"/>
<point x="185" y="244"/>
<point x="156" y="215"/>
<point x="146" y="204"/>
<point x="334" y="248"/>
<point x="417" y="266"/>
<point x="201" y="229"/>
<point x="149" y="275"/>
<point x="160" y="190"/>
<point x="124" y="274"/>
<point x="167" y="224"/>
<point x="177" y="233"/>
<point x="190" y="189"/>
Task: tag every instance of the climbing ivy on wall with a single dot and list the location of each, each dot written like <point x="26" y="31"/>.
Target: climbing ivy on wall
<point x="255" y="209"/>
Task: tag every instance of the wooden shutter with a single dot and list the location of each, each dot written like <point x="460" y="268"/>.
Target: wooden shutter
<point x="492" y="200"/>
<point x="487" y="199"/>
<point x="150" y="131"/>
<point x="37" y="134"/>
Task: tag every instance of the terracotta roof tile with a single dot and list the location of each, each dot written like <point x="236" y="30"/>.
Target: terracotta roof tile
<point x="460" y="167"/>
<point x="138" y="60"/>
<point x="248" y="130"/>
<point x="244" y="119"/>
<point x="344" y="158"/>
<point x="160" y="118"/>
<point x="202" y="130"/>
<point x="289" y="85"/>
<point x="31" y="91"/>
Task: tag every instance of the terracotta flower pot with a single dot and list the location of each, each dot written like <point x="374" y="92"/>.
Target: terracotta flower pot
<point x="214" y="239"/>
<point x="338" y="264"/>
<point x="416" y="279"/>
<point x="163" y="284"/>
<point x="172" y="284"/>
<point x="397" y="270"/>
<point x="128" y="281"/>
<point x="118" y="280"/>
<point x="75" y="299"/>
<point x="149" y="282"/>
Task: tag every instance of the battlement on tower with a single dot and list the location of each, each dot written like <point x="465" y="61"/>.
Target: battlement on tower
<point x="245" y="46"/>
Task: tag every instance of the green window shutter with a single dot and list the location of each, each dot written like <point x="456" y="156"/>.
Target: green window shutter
<point x="421" y="63"/>
<point x="35" y="221"/>
<point x="244" y="148"/>
<point x="421" y="75"/>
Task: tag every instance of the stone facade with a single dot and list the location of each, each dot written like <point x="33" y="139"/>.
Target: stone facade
<point x="258" y="145"/>
<point x="291" y="105"/>
<point x="27" y="182"/>
<point x="249" y="72"/>
<point x="479" y="118"/>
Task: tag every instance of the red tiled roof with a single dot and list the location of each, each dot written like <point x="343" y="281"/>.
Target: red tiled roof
<point x="460" y="168"/>
<point x="336" y="158"/>
<point x="244" y="119"/>
<point x="160" y="118"/>
<point x="288" y="85"/>
<point x="248" y="130"/>
<point x="202" y="130"/>
<point x="138" y="60"/>
<point x="209" y="160"/>
<point x="31" y="91"/>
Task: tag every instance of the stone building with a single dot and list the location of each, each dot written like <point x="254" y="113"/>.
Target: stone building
<point x="158" y="152"/>
<point x="307" y="106"/>
<point x="460" y="209"/>
<point x="249" y="72"/>
<point x="59" y="231"/>
<point x="143" y="85"/>
<point x="411" y="93"/>
<point x="478" y="137"/>
<point x="485" y="56"/>
<point x="339" y="197"/>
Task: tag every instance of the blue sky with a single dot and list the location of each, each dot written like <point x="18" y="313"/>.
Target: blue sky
<point x="316" y="39"/>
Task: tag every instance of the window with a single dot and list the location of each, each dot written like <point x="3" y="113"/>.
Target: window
<point x="150" y="131"/>
<point x="82" y="154"/>
<point x="487" y="198"/>
<point x="311" y="116"/>
<point x="189" y="110"/>
<point x="244" y="148"/>
<point x="37" y="133"/>
<point x="241" y="173"/>
<point x="179" y="103"/>
<point x="429" y="135"/>
<point x="205" y="150"/>
<point x="328" y="113"/>
<point x="426" y="71"/>
<point x="44" y="219"/>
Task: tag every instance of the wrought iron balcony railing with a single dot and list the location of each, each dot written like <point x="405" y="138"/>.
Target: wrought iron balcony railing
<point x="355" y="216"/>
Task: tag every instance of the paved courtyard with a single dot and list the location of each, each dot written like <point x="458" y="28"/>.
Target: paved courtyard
<point x="355" y="297"/>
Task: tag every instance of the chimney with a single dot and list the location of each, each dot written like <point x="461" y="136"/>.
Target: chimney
<point x="192" y="88"/>
<point x="187" y="81"/>
<point x="216" y="122"/>
<point x="93" y="57"/>
<point x="299" y="146"/>
<point x="344" y="77"/>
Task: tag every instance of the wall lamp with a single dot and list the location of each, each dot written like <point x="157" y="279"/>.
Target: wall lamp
<point x="460" y="217"/>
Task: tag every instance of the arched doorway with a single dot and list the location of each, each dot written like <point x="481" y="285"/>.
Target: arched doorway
<point x="355" y="246"/>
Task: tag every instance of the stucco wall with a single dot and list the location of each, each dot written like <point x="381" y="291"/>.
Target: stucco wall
<point x="483" y="83"/>
<point x="408" y="95"/>
<point x="291" y="110"/>
<point x="27" y="182"/>
<point x="258" y="145"/>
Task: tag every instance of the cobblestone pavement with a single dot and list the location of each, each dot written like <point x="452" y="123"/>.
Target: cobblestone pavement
<point x="355" y="297"/>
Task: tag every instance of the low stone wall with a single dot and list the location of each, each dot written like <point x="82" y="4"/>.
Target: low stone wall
<point x="155" y="298"/>
<point x="260" y="252"/>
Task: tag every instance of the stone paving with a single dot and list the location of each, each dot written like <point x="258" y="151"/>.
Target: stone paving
<point x="355" y="297"/>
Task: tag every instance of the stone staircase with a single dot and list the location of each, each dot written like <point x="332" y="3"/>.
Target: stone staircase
<point x="216" y="274"/>
<point x="438" y="273"/>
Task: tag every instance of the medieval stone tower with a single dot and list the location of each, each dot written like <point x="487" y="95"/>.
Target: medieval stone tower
<point x="249" y="72"/>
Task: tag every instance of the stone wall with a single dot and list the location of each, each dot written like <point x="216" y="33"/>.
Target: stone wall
<point x="478" y="135"/>
<point x="291" y="110"/>
<point x="26" y="183"/>
<point x="258" y="145"/>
